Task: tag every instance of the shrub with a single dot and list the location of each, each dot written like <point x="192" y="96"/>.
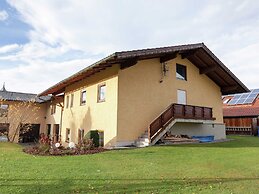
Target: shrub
<point x="86" y="144"/>
<point x="44" y="139"/>
<point x="44" y="148"/>
<point x="94" y="136"/>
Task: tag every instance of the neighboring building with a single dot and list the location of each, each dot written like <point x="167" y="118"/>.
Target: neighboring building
<point x="144" y="93"/>
<point x="24" y="116"/>
<point x="241" y="113"/>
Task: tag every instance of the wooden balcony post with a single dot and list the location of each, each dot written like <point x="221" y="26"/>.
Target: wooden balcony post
<point x="148" y="133"/>
<point x="172" y="110"/>
<point x="161" y="120"/>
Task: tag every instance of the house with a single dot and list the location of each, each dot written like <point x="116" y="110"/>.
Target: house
<point x="241" y="113"/>
<point x="24" y="116"/>
<point x="135" y="97"/>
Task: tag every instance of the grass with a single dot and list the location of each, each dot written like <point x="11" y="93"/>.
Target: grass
<point x="230" y="167"/>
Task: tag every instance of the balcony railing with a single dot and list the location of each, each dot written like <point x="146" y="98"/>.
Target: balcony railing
<point x="176" y="111"/>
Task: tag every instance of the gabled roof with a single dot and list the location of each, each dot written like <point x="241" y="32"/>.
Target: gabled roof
<point x="241" y="111"/>
<point x="25" y="97"/>
<point x="198" y="54"/>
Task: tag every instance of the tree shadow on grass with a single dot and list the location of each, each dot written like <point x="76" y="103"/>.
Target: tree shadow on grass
<point x="112" y="185"/>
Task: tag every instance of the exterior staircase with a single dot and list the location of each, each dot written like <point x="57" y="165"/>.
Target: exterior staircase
<point x="165" y="121"/>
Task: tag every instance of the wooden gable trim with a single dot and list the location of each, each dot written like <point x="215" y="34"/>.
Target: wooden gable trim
<point x="228" y="89"/>
<point x="185" y="55"/>
<point x="207" y="70"/>
<point x="128" y="63"/>
<point x="168" y="57"/>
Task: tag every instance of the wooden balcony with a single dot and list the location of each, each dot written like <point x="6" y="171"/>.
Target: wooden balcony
<point x="178" y="111"/>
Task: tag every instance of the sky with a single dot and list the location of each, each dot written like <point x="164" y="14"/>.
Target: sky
<point x="44" y="41"/>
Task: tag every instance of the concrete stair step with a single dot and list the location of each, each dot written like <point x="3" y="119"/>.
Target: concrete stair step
<point x="144" y="136"/>
<point x="143" y="139"/>
<point x="142" y="144"/>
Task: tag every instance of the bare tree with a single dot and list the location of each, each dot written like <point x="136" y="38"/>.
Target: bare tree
<point x="20" y="115"/>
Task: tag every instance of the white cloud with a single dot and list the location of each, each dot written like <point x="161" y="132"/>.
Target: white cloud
<point x="3" y="15"/>
<point x="9" y="48"/>
<point x="35" y="76"/>
<point x="79" y="32"/>
<point x="244" y="62"/>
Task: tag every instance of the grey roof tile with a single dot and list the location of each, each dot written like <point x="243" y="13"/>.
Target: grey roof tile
<point x="18" y="96"/>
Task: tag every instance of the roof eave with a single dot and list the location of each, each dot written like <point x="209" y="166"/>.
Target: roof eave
<point x="239" y="87"/>
<point x="47" y="91"/>
<point x="240" y="84"/>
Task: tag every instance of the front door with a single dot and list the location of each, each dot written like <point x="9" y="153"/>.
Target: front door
<point x="181" y="96"/>
<point x="56" y="133"/>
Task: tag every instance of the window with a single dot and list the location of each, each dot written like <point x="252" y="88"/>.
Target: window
<point x="83" y="97"/>
<point x="67" y="105"/>
<point x="101" y="92"/>
<point x="48" y="129"/>
<point x="3" y="110"/>
<point x="181" y="72"/>
<point x="181" y="97"/>
<point x="68" y="135"/>
<point x="81" y="134"/>
<point x="72" y="100"/>
<point x="53" y="109"/>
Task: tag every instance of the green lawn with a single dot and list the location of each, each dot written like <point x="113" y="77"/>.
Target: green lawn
<point x="230" y="167"/>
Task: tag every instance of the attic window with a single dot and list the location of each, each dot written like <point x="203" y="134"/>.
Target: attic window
<point x="72" y="101"/>
<point x="101" y="93"/>
<point x="67" y="105"/>
<point x="53" y="109"/>
<point x="181" y="72"/>
<point x="83" y="97"/>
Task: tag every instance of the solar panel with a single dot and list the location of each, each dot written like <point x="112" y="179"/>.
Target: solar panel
<point x="255" y="91"/>
<point x="245" y="95"/>
<point x="249" y="100"/>
<point x="232" y="102"/>
<point x="241" y="101"/>
<point x="253" y="95"/>
<point x="244" y="98"/>
<point x="237" y="96"/>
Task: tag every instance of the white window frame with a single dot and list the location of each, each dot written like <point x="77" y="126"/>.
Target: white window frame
<point x="181" y="97"/>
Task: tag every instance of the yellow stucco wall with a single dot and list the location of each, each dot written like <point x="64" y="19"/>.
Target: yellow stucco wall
<point x="93" y="115"/>
<point x="134" y="97"/>
<point x="55" y="118"/>
<point x="141" y="96"/>
<point x="24" y="113"/>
